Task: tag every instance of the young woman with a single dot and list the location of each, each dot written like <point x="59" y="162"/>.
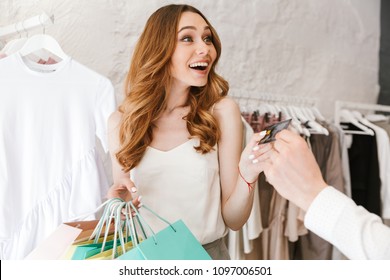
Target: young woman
<point x="176" y="139"/>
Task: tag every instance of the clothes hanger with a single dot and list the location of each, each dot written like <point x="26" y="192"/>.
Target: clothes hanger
<point x="295" y="122"/>
<point x="347" y="116"/>
<point x="317" y="114"/>
<point x="13" y="45"/>
<point x="313" y="126"/>
<point x="42" y="43"/>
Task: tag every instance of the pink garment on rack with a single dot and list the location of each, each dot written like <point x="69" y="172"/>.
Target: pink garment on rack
<point x="260" y="121"/>
<point x="49" y="61"/>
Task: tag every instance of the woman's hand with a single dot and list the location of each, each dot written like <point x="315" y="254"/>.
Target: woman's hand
<point x="124" y="189"/>
<point x="253" y="156"/>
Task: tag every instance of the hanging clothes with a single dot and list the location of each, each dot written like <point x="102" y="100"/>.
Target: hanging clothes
<point x="326" y="150"/>
<point x="272" y="243"/>
<point x="50" y="168"/>
<point x="383" y="150"/>
<point x="385" y="124"/>
<point x="364" y="168"/>
<point x="371" y="188"/>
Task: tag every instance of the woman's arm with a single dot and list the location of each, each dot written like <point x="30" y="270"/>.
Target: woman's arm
<point x="122" y="185"/>
<point x="237" y="197"/>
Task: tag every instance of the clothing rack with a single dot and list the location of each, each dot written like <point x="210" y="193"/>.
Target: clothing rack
<point x="273" y="99"/>
<point x="302" y="110"/>
<point x="339" y="105"/>
<point x="41" y="20"/>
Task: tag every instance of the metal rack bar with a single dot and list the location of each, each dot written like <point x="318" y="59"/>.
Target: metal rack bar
<point x="41" y="20"/>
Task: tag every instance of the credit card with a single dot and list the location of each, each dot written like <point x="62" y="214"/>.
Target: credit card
<point x="272" y="130"/>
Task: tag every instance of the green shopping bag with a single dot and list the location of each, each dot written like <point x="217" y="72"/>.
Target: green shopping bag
<point x="86" y="251"/>
<point x="107" y="254"/>
<point x="175" y="242"/>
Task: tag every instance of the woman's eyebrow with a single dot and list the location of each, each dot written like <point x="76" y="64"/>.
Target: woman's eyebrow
<point x="192" y="28"/>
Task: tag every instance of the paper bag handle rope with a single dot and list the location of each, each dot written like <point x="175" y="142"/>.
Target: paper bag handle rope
<point x="146" y="223"/>
<point x="112" y="212"/>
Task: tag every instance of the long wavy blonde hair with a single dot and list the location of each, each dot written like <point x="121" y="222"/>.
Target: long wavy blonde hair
<point x="148" y="82"/>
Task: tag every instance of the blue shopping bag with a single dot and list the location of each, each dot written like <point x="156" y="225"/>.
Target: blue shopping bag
<point x="175" y="242"/>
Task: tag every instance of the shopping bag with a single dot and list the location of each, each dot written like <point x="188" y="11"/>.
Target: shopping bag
<point x="56" y="244"/>
<point x="59" y="244"/>
<point x="83" y="238"/>
<point x="85" y="251"/>
<point x="108" y="253"/>
<point x="175" y="242"/>
<point x="87" y="228"/>
<point x="91" y="250"/>
<point x="121" y="240"/>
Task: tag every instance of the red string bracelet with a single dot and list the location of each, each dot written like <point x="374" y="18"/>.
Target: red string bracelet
<point x="250" y="187"/>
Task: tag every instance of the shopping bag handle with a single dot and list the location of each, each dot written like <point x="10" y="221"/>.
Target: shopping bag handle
<point x="154" y="213"/>
<point x="111" y="206"/>
<point x="106" y="218"/>
<point x="112" y="213"/>
<point x="145" y="222"/>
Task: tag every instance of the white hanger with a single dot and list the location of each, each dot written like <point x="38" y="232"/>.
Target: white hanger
<point x="285" y="112"/>
<point x="317" y="113"/>
<point x="357" y="115"/>
<point x="315" y="127"/>
<point x="347" y="116"/>
<point x="299" y="114"/>
<point x="8" y="45"/>
<point x="13" y="46"/>
<point x="39" y="43"/>
<point x="295" y="122"/>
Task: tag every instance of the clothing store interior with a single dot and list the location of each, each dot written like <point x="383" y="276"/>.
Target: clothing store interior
<point x="322" y="64"/>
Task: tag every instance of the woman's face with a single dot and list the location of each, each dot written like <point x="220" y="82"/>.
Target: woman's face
<point x="194" y="53"/>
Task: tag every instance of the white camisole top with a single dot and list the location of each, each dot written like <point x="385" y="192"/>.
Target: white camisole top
<point x="182" y="184"/>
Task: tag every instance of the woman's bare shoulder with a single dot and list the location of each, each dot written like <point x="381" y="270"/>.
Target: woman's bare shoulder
<point x="226" y="105"/>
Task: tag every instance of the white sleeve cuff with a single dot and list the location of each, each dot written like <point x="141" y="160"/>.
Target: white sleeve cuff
<point x="322" y="215"/>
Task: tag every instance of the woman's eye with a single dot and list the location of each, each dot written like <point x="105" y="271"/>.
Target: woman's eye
<point x="186" y="39"/>
<point x="208" y="39"/>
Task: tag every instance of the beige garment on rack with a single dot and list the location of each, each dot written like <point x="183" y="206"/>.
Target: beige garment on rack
<point x="272" y="243"/>
<point x="327" y="152"/>
<point x="282" y="222"/>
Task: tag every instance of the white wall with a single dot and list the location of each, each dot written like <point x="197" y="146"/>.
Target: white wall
<point x="322" y="49"/>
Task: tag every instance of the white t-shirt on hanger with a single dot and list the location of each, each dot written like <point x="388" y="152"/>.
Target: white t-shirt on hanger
<point x="50" y="168"/>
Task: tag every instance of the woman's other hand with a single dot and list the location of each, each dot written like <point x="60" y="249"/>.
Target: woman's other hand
<point x="124" y="189"/>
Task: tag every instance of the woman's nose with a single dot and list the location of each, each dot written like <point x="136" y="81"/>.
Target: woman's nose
<point x="202" y="49"/>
